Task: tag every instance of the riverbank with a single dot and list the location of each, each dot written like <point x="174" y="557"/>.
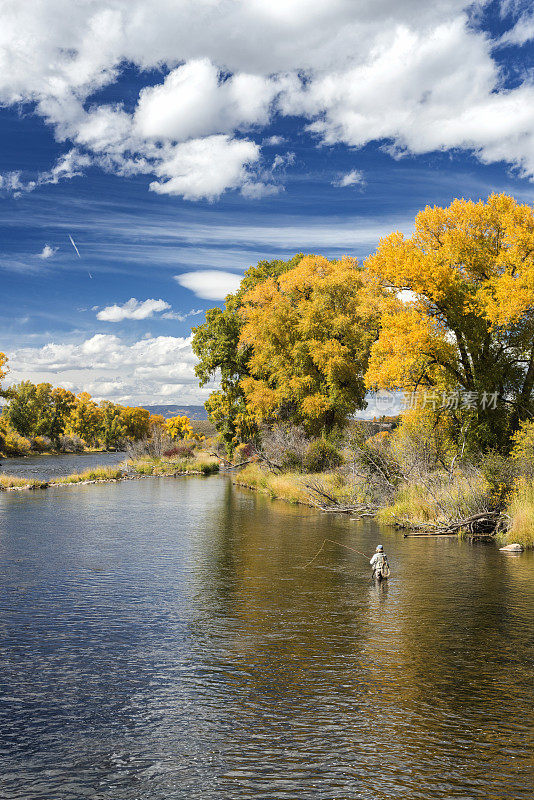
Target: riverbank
<point x="428" y="509"/>
<point x="129" y="470"/>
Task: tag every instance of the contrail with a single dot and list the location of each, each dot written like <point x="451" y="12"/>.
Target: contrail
<point x="78" y="252"/>
<point x="73" y="244"/>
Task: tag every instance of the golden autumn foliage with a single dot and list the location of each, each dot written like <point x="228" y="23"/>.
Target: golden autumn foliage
<point x="220" y="356"/>
<point x="45" y="418"/>
<point x="460" y="313"/>
<point x="86" y="419"/>
<point x="3" y="366"/>
<point x="181" y="428"/>
<point x="308" y="343"/>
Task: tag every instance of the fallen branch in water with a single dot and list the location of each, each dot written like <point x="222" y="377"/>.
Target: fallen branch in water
<point x="485" y="523"/>
<point x="325" y="501"/>
<point x="236" y="466"/>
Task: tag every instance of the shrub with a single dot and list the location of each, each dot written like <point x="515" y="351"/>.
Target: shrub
<point x="209" y="468"/>
<point x="423" y="441"/>
<point x="521" y="512"/>
<point x="292" y="461"/>
<point x="285" y="446"/>
<point x="500" y="473"/>
<point x="15" y="445"/>
<point x="71" y="444"/>
<point x="153" y="446"/>
<point x="321" y="456"/>
<point x="373" y="461"/>
<point x="243" y="452"/>
<point x="179" y="451"/>
<point x="438" y="499"/>
<point x="41" y="444"/>
<point x="523" y="448"/>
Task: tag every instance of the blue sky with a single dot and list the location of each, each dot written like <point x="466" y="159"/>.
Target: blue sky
<point x="180" y="142"/>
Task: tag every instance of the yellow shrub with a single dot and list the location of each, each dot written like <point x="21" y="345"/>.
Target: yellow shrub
<point x="15" y="445"/>
<point x="521" y="511"/>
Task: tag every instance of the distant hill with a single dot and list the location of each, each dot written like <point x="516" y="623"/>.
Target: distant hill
<point x="193" y="412"/>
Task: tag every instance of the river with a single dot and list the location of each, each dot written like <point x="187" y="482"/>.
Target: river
<point x="158" y="640"/>
<point x="46" y="468"/>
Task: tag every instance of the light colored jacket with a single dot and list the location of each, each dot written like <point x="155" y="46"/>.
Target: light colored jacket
<point x="378" y="561"/>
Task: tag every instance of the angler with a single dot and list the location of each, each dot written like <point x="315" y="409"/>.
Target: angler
<point x="379" y="563"/>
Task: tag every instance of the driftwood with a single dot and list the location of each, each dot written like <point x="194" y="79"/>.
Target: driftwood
<point x="237" y="466"/>
<point x="481" y="525"/>
<point x="325" y="501"/>
<point x="257" y="456"/>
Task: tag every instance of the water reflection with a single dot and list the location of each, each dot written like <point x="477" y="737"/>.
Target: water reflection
<point x="160" y="639"/>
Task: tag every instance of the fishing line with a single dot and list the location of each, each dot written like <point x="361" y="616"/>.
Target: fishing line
<point x="333" y="542"/>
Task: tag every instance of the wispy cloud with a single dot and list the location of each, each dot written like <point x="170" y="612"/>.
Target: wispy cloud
<point x="353" y="178"/>
<point x="70" y="165"/>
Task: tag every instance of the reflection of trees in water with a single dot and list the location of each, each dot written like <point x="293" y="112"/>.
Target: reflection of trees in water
<point x="293" y="630"/>
<point x="371" y="674"/>
<point x="448" y="659"/>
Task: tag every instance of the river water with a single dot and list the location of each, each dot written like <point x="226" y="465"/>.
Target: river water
<point x="46" y="468"/>
<point x="158" y="640"/>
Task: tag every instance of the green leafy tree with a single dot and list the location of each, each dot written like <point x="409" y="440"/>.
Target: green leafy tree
<point x="113" y="425"/>
<point x="54" y="409"/>
<point x="216" y="344"/>
<point x="22" y="411"/>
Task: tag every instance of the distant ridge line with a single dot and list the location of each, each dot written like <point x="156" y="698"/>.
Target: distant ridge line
<point x="193" y="412"/>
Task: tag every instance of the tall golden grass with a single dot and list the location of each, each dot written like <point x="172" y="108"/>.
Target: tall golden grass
<point x="521" y="511"/>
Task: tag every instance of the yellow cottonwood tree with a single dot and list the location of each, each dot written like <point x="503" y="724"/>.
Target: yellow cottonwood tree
<point x="179" y="427"/>
<point x="460" y="314"/>
<point x="86" y="419"/>
<point x="309" y="344"/>
<point x="3" y="366"/>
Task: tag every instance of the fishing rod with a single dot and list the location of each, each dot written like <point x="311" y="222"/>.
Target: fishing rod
<point x="333" y="541"/>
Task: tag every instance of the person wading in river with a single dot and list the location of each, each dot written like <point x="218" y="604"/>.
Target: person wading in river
<point x="379" y="563"/>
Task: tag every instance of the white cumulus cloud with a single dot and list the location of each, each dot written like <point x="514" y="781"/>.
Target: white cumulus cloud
<point x="210" y="284"/>
<point x="413" y="76"/>
<point x="205" y="168"/>
<point x="132" y="309"/>
<point x="47" y="252"/>
<point x="154" y="369"/>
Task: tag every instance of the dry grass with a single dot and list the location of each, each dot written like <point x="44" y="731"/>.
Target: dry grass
<point x="413" y="505"/>
<point x="521" y="511"/>
<point x="13" y="482"/>
<point x="438" y="499"/>
<point x="93" y="474"/>
<point x="204" y="464"/>
<point x="279" y="487"/>
<point x="290" y="486"/>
